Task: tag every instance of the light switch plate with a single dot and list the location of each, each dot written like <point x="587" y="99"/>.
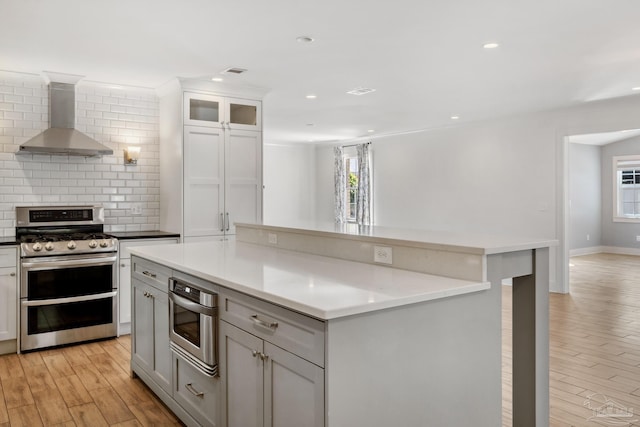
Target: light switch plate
<point x="273" y="238"/>
<point x="383" y="254"/>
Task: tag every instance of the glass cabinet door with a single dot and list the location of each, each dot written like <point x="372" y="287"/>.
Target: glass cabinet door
<point x="244" y="114"/>
<point x="203" y="110"/>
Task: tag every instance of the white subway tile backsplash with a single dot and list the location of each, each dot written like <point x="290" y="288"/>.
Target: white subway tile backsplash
<point x="115" y="117"/>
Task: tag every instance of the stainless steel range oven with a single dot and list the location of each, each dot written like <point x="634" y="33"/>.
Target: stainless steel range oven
<point x="68" y="286"/>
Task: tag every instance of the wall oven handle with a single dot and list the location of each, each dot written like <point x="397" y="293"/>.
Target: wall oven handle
<point x="72" y="262"/>
<point x="35" y="303"/>
<point x="192" y="306"/>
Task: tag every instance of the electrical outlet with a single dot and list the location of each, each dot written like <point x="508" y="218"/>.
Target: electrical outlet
<point x="383" y="254"/>
<point x="136" y="209"/>
<point x="588" y="237"/>
<point x="273" y="238"/>
<point x="637" y="238"/>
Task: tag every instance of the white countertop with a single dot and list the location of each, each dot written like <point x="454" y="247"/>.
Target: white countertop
<point x="322" y="287"/>
<point x="463" y="242"/>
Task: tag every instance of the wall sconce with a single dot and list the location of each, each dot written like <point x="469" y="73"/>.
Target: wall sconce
<point x="131" y="155"/>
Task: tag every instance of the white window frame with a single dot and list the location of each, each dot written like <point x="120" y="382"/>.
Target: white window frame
<point x="631" y="162"/>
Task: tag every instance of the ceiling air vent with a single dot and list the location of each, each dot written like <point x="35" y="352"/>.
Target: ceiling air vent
<point x="234" y="70"/>
<point x="360" y="91"/>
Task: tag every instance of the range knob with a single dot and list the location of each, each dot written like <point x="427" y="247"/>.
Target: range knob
<point x="71" y="245"/>
<point x="104" y="243"/>
<point x="48" y="246"/>
<point x="93" y="244"/>
<point x="37" y="246"/>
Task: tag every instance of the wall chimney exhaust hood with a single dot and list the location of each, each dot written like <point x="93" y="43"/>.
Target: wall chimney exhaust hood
<point x="61" y="138"/>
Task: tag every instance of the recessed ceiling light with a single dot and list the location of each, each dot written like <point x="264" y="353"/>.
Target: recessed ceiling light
<point x="217" y="79"/>
<point x="371" y="130"/>
<point x="310" y="124"/>
<point x="235" y="70"/>
<point x="311" y="96"/>
<point x="360" y="91"/>
<point x="491" y="45"/>
<point x="635" y="88"/>
<point x="455" y="117"/>
<point x="304" y="39"/>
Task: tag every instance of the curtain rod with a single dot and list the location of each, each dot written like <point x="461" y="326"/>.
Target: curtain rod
<point x="355" y="145"/>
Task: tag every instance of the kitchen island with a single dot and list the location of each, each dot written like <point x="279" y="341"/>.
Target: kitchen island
<point x="384" y="345"/>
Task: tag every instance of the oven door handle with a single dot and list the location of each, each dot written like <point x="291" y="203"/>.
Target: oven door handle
<point x="191" y="306"/>
<point x="53" y="301"/>
<point x="59" y="263"/>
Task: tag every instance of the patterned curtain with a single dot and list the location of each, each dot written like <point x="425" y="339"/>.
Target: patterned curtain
<point x="340" y="179"/>
<point x="363" y="201"/>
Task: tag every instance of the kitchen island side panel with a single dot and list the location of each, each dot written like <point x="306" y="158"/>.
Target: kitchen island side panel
<point x="433" y="363"/>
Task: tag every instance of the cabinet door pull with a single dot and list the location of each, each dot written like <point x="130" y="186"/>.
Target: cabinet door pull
<point x="257" y="321"/>
<point x="193" y="391"/>
<point x="149" y="274"/>
<point x="227" y="221"/>
<point x="255" y="353"/>
<point x="123" y="265"/>
<point x="264" y="357"/>
<point x="221" y="223"/>
<point x="12" y="274"/>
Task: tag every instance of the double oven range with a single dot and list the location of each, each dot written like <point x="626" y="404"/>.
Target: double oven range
<point x="68" y="283"/>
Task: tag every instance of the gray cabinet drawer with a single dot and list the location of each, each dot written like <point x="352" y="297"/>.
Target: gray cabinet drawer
<point x="294" y="332"/>
<point x="197" y="393"/>
<point x="151" y="273"/>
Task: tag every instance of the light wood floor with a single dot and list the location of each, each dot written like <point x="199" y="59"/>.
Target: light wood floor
<point x="594" y="341"/>
<point x="82" y="385"/>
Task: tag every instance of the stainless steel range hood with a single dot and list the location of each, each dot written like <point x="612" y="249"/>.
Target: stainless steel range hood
<point x="61" y="137"/>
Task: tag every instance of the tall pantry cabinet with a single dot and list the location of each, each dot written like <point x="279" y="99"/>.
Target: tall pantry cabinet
<point x="210" y="159"/>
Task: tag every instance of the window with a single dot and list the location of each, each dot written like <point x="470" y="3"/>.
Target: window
<point x="626" y="191"/>
<point x="351" y="168"/>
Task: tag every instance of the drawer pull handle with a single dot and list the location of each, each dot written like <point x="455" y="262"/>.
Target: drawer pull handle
<point x="12" y="274"/>
<point x="148" y="294"/>
<point x="270" y="325"/>
<point x="193" y="391"/>
<point x="123" y="265"/>
<point x="149" y="274"/>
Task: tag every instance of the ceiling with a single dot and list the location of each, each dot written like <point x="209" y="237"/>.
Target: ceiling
<point x="603" y="138"/>
<point x="424" y="58"/>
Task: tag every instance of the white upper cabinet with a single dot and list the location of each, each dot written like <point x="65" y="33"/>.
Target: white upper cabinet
<point x="221" y="112"/>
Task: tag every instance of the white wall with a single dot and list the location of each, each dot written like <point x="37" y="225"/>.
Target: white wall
<point x="500" y="176"/>
<point x="585" y="183"/>
<point x="116" y="117"/>
<point x="616" y="234"/>
<point x="289" y="177"/>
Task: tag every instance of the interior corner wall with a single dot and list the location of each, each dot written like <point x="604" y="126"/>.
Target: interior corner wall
<point x="616" y="234"/>
<point x="585" y="195"/>
<point x="289" y="178"/>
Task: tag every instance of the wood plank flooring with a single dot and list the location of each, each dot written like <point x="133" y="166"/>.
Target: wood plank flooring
<point x="594" y="342"/>
<point x="81" y="385"/>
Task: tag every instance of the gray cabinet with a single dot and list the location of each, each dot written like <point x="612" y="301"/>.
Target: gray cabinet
<point x="8" y="299"/>
<point x="124" y="276"/>
<point x="196" y="392"/>
<point x="264" y="384"/>
<point x="150" y="339"/>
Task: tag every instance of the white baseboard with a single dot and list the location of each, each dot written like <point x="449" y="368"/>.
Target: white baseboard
<point x="604" y="249"/>
<point x="587" y="251"/>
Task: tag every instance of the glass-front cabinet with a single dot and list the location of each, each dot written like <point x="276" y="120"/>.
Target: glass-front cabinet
<point x="217" y="111"/>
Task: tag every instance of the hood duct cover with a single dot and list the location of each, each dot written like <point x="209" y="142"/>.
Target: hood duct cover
<point x="61" y="138"/>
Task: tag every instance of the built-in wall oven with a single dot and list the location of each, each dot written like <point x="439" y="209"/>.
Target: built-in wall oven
<point x="193" y="318"/>
<point x="68" y="285"/>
